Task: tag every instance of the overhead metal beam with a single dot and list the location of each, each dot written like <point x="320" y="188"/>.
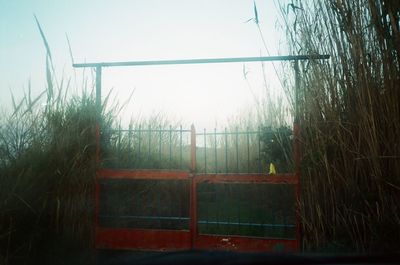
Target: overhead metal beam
<point x="206" y="61"/>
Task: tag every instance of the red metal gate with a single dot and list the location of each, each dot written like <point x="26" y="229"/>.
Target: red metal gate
<point x="138" y="236"/>
<point x="167" y="210"/>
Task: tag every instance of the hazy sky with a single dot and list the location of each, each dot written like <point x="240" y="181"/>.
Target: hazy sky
<point x="143" y="30"/>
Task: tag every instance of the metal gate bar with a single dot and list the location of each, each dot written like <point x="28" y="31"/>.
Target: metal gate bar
<point x="206" y="61"/>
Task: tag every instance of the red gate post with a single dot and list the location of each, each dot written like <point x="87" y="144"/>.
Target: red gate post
<point x="193" y="191"/>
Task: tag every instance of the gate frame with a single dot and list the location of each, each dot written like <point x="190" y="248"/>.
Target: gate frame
<point x="211" y="177"/>
<point x="173" y="240"/>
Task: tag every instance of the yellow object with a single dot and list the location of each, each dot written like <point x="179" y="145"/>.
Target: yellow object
<point x="272" y="169"/>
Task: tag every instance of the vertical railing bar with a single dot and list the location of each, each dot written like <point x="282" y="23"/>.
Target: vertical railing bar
<point x="139" y="146"/>
<point x="159" y="148"/>
<point x="237" y="151"/>
<point x="215" y="150"/>
<point x="119" y="146"/>
<point x="193" y="149"/>
<point x="226" y="151"/>
<point x="98" y="147"/>
<point x="205" y="152"/>
<point x="149" y="153"/>
<point x="170" y="146"/>
<point x="248" y="150"/>
<point x="129" y="146"/>
<point x="181" y="147"/>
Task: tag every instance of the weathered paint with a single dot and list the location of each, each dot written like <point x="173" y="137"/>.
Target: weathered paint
<point x="245" y="244"/>
<point x="247" y="178"/>
<point x="143" y="174"/>
<point x="169" y="240"/>
<point x="142" y="239"/>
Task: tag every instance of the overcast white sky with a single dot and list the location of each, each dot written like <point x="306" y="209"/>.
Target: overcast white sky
<point x="101" y="30"/>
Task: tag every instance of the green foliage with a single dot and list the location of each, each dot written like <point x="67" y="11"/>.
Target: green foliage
<point x="47" y="171"/>
<point x="277" y="147"/>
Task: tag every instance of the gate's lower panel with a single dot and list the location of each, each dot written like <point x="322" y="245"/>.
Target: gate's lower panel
<point x="171" y="211"/>
<point x="141" y="239"/>
<point x="245" y="244"/>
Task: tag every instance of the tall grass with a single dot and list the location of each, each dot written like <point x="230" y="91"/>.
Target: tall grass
<point x="350" y="118"/>
<point x="47" y="171"/>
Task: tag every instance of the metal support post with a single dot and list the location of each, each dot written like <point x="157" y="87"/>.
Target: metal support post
<point x="296" y="152"/>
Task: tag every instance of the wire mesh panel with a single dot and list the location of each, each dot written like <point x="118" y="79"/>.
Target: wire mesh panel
<point x="142" y="209"/>
<point x="243" y="209"/>
<point x="247" y="212"/>
<point x="147" y="204"/>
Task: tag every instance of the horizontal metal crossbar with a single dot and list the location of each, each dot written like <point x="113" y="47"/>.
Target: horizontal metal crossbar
<point x="202" y="222"/>
<point x="206" y="61"/>
<point x="143" y="174"/>
<point x="147" y="130"/>
<point x="144" y="217"/>
<point x="247" y="178"/>
<point x="229" y="133"/>
<point x="243" y="224"/>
